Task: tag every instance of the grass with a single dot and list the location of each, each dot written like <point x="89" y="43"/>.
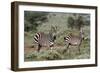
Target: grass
<point x="56" y="53"/>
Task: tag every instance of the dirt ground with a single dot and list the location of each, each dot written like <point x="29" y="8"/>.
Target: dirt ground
<point x="30" y="48"/>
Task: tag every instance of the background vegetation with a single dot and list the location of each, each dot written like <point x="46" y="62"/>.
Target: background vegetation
<point x="65" y="23"/>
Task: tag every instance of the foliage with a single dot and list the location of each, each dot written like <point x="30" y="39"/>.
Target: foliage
<point x="61" y="24"/>
<point x="71" y="22"/>
<point x="33" y="19"/>
<point x="57" y="53"/>
<point x="77" y="21"/>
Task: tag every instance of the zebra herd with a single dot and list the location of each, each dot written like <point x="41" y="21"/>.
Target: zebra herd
<point x="48" y="40"/>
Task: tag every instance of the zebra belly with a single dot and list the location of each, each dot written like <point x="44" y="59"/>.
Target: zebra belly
<point x="75" y="42"/>
<point x="45" y="44"/>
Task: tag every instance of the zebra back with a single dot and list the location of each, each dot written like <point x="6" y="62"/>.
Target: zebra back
<point x="73" y="39"/>
<point x="44" y="39"/>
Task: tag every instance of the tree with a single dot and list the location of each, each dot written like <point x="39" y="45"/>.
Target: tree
<point x="78" y="20"/>
<point x="71" y="22"/>
<point x="34" y="19"/>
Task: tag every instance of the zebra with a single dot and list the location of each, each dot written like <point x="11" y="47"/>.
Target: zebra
<point x="74" y="40"/>
<point x="44" y="40"/>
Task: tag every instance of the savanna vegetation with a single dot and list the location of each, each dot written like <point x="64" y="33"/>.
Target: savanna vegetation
<point x="64" y="23"/>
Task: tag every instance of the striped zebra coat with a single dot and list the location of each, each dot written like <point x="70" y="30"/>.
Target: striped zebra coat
<point x="44" y="40"/>
<point x="74" y="40"/>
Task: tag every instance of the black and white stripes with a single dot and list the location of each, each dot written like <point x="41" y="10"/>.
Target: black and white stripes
<point x="44" y="40"/>
<point x="36" y="37"/>
<point x="48" y="40"/>
<point x="68" y="37"/>
<point x="74" y="40"/>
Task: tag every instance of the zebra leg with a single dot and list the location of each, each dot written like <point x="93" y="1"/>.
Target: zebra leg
<point x="79" y="48"/>
<point x="39" y="47"/>
<point x="66" y="48"/>
<point x="51" y="48"/>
